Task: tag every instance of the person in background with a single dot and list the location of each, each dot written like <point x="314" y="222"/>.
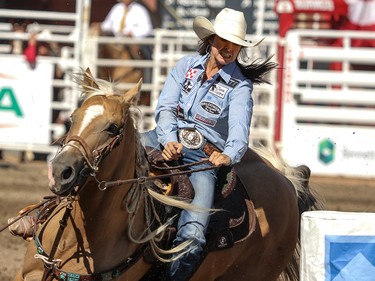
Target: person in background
<point x="128" y="18"/>
<point x="35" y="48"/>
<point x="360" y="17"/>
<point x="204" y="112"/>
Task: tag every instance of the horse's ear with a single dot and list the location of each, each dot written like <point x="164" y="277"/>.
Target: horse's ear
<point x="89" y="80"/>
<point x="132" y="95"/>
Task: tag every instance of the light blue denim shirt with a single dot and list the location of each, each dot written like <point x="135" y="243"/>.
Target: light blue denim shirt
<point x="220" y="108"/>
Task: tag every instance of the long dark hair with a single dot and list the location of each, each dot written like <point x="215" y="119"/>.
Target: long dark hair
<point x="253" y="69"/>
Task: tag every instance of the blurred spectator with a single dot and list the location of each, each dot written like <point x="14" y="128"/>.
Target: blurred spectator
<point x="17" y="44"/>
<point x="30" y="51"/>
<point x="361" y="17"/>
<point x="131" y="19"/>
<point x="128" y="18"/>
<point x="35" y="48"/>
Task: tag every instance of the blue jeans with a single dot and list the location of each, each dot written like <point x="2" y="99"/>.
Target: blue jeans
<point x="192" y="224"/>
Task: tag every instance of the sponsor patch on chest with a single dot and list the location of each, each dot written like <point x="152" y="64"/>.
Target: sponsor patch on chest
<point x="205" y="120"/>
<point x="187" y="86"/>
<point x="210" y="107"/>
<point x="191" y="73"/>
<point x="219" y="90"/>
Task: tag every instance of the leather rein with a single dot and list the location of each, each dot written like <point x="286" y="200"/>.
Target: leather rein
<point x="93" y="159"/>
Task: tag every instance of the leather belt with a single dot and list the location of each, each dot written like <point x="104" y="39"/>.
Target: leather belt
<point x="193" y="139"/>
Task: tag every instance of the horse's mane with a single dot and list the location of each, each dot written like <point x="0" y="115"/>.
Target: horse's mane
<point x="91" y="86"/>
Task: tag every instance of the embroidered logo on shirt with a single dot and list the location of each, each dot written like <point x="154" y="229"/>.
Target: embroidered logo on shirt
<point x="191" y="73"/>
<point x="188" y="85"/>
<point x="210" y="107"/>
<point x="205" y="120"/>
<point x="233" y="82"/>
<point x="218" y="90"/>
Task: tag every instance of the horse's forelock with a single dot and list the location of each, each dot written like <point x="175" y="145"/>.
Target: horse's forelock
<point x="97" y="87"/>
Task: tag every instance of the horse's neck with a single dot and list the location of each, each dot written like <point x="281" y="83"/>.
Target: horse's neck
<point x="105" y="213"/>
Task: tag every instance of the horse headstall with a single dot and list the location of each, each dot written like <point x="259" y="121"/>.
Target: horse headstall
<point x="92" y="157"/>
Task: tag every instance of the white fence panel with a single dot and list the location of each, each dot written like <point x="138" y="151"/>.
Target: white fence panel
<point x="328" y="115"/>
<point x="43" y="96"/>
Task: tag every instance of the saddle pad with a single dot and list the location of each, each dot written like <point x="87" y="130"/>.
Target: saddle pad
<point x="235" y="223"/>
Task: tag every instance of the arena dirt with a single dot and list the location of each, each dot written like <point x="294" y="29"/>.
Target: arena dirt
<point x="22" y="184"/>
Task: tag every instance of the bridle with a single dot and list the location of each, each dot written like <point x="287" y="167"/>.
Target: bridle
<point x="92" y="157"/>
<point x="92" y="161"/>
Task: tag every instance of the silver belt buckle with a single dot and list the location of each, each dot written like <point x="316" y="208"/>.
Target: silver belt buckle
<point x="191" y="138"/>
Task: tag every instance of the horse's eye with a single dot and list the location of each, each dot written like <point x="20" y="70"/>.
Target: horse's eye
<point x="112" y="129"/>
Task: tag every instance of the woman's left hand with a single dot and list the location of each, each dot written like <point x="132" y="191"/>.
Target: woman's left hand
<point x="218" y="159"/>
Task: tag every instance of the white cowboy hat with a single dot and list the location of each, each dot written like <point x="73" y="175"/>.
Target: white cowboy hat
<point x="229" y="25"/>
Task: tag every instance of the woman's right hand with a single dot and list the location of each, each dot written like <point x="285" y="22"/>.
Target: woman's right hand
<point x="172" y="151"/>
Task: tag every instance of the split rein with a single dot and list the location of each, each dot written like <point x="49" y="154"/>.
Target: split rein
<point x="94" y="158"/>
<point x="103" y="185"/>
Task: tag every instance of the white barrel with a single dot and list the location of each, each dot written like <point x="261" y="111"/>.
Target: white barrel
<point x="337" y="246"/>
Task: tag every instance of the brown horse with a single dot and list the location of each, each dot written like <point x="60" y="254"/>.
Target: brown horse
<point x="102" y="227"/>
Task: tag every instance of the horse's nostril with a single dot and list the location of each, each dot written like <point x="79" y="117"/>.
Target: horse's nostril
<point x="67" y="173"/>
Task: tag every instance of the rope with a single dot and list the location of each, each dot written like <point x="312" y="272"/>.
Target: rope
<point x="183" y="166"/>
<point x="49" y="264"/>
<point x="103" y="185"/>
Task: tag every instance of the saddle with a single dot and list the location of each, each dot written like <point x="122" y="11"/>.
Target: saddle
<point x="234" y="223"/>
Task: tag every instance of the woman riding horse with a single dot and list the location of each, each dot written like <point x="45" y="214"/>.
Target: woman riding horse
<point x="206" y="101"/>
<point x="108" y="216"/>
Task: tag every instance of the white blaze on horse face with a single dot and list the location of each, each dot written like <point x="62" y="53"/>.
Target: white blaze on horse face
<point x="91" y="113"/>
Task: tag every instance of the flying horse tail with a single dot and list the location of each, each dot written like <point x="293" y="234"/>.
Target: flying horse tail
<point x="299" y="176"/>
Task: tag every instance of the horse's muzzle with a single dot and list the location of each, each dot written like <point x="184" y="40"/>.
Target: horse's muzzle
<point x="65" y="173"/>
